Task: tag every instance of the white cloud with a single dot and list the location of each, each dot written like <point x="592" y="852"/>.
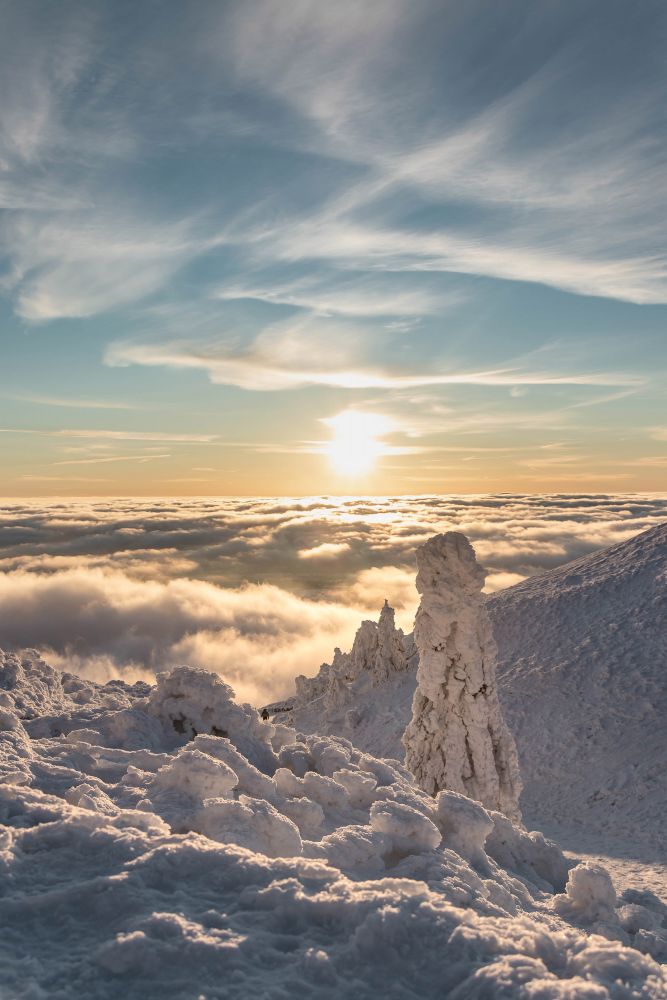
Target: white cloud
<point x="114" y="435"/>
<point x="500" y="581"/>
<point x="327" y="550"/>
<point x="71" y="402"/>
<point x="256" y="635"/>
<point x="281" y="359"/>
<point x="368" y="296"/>
<point x="133" y="585"/>
<point x="99" y="459"/>
<point x="86" y="263"/>
<point x="583" y="209"/>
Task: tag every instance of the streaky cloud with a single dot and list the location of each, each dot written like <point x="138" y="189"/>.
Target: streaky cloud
<point x="259" y="370"/>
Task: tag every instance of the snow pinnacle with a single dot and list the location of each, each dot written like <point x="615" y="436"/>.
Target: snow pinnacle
<point x="457" y="737"/>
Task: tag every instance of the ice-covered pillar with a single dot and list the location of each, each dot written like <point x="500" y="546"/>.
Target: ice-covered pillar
<point x="390" y="656"/>
<point x="457" y="737"/>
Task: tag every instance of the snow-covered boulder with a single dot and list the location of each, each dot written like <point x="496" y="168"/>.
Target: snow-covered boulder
<point x="189" y="701"/>
<point x="464" y="825"/>
<point x="589" y="895"/>
<point x="251" y="823"/>
<point x="457" y="738"/>
<point x="408" y="830"/>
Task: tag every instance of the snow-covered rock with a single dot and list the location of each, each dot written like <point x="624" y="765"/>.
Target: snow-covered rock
<point x="457" y="738"/>
<point x="390" y="656"/>
<point x="589" y="895"/>
<point x="464" y="824"/>
<point x="379" y="652"/>
<point x="190" y="701"/>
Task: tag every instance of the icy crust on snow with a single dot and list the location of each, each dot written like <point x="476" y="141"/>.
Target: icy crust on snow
<point x="146" y="859"/>
<point x="457" y="737"/>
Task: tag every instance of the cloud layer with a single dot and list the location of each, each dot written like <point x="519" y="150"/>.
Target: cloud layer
<point x="260" y="590"/>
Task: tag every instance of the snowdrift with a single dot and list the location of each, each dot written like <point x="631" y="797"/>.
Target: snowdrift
<point x="166" y="842"/>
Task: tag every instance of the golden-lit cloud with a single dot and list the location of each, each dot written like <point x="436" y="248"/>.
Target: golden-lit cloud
<point x="127" y="587"/>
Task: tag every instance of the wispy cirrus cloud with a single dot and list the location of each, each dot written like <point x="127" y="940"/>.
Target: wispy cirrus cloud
<point x="112" y="435"/>
<point x="71" y="403"/>
<point x="508" y="186"/>
<point x="89" y="262"/>
<point x="282" y="359"/>
<point x="340" y="295"/>
<point x="385" y="204"/>
<point x="577" y="208"/>
<point x="102" y="459"/>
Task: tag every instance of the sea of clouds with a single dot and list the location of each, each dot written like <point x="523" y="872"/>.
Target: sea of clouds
<point x="259" y="590"/>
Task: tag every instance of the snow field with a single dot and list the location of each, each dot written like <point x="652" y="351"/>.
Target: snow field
<point x="167" y="843"/>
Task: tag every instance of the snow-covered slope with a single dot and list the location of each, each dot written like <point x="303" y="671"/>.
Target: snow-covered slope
<point x="582" y="672"/>
<point x="174" y="846"/>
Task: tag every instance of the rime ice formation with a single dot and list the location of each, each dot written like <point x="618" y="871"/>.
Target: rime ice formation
<point x="378" y="652"/>
<point x="150" y="860"/>
<point x="390" y="655"/>
<point x="457" y="738"/>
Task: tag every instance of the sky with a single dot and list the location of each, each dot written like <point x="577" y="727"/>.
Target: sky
<point x="260" y="590"/>
<point x="274" y="248"/>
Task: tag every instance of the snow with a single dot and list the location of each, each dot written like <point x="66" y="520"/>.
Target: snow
<point x="581" y="675"/>
<point x="582" y="669"/>
<point x="457" y="737"/>
<point x="141" y="860"/>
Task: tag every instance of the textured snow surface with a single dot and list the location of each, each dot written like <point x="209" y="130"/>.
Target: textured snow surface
<point x="147" y="854"/>
<point x="457" y="737"/>
<point x="582" y="677"/>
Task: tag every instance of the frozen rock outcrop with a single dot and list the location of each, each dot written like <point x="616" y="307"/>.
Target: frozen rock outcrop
<point x="378" y="651"/>
<point x="390" y="655"/>
<point x="457" y="738"/>
<point x="364" y="649"/>
<point x="589" y="895"/>
<point x="310" y="688"/>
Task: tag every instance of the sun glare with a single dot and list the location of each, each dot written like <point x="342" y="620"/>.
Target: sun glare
<point x="357" y="441"/>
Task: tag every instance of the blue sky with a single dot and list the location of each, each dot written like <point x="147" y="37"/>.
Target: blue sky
<point x="225" y="225"/>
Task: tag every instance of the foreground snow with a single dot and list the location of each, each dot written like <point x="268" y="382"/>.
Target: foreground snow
<point x="166" y="843"/>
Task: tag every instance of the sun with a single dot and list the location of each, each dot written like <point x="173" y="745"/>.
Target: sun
<point x="357" y="441"/>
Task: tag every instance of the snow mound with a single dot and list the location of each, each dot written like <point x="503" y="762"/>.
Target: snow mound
<point x="192" y="701"/>
<point x="182" y="868"/>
